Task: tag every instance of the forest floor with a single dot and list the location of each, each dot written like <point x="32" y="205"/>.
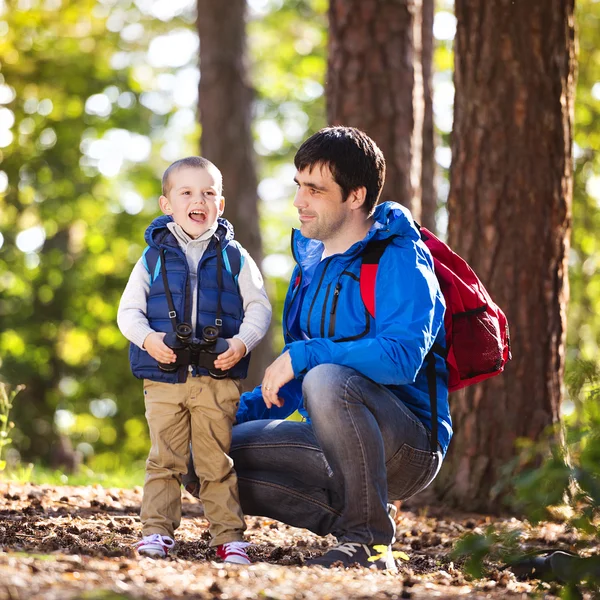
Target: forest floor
<point x="65" y="543"/>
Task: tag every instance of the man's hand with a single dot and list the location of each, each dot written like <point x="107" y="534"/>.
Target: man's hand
<point x="157" y="349"/>
<point x="276" y="376"/>
<point x="230" y="358"/>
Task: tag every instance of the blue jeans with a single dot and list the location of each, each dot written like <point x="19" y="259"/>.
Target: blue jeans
<point x="335" y="475"/>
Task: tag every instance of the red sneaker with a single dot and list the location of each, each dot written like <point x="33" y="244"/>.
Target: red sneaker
<point x="233" y="552"/>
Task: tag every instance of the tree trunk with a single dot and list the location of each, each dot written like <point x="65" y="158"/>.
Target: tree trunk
<point x="34" y="408"/>
<point x="225" y="110"/>
<point x="509" y="217"/>
<point x="374" y="82"/>
<point x="428" y="190"/>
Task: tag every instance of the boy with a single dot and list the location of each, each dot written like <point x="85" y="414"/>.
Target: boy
<point x="192" y="272"/>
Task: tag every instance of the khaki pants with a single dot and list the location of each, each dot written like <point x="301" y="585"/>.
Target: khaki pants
<point x="202" y="409"/>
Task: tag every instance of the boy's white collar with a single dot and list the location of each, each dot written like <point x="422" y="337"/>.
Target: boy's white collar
<point x="185" y="239"/>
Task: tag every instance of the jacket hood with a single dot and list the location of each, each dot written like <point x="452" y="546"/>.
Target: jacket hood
<point x="390" y="219"/>
<point x="394" y="219"/>
<point x="158" y="232"/>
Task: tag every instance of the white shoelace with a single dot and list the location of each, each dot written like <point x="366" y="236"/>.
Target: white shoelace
<point x="156" y="538"/>
<point x="236" y="545"/>
<point x="350" y="548"/>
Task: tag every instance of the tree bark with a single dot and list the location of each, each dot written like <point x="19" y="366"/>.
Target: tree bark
<point x="510" y="217"/>
<point x="374" y="82"/>
<point x="225" y="111"/>
<point x="428" y="189"/>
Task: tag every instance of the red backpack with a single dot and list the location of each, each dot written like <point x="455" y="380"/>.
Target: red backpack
<point x="477" y="336"/>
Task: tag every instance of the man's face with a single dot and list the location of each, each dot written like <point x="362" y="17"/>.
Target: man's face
<point x="194" y="199"/>
<point x="318" y="199"/>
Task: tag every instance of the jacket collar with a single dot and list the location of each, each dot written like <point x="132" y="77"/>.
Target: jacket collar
<point x="159" y="232"/>
<point x="390" y="219"/>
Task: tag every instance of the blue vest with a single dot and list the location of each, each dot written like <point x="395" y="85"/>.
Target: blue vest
<point x="232" y="311"/>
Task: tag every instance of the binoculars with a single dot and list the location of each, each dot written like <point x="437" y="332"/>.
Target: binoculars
<point x="193" y="351"/>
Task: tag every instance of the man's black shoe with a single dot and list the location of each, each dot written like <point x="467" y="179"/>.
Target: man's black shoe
<point x="353" y="553"/>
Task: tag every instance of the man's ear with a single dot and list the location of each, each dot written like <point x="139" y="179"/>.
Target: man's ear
<point x="357" y="197"/>
<point x="221" y="206"/>
<point x="165" y="205"/>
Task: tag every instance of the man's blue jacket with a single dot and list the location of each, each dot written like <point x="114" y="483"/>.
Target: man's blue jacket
<point x="325" y="320"/>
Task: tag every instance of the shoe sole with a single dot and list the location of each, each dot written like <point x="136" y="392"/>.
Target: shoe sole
<point x="151" y="554"/>
<point x="237" y="561"/>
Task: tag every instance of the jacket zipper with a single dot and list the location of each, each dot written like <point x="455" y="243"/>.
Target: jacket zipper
<point x="298" y="288"/>
<point x="187" y="309"/>
<point x="195" y="369"/>
<point x="332" y="313"/>
<point x="324" y="311"/>
<point x="308" y="332"/>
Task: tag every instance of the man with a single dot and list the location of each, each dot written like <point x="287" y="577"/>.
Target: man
<point x="355" y="386"/>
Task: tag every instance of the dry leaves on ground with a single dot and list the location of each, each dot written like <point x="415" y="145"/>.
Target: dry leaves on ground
<point x="65" y="543"/>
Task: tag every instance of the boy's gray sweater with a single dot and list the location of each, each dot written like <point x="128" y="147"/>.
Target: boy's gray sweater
<point x="131" y="316"/>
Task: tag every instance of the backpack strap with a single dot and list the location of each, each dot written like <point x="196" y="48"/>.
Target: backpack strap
<point x="152" y="261"/>
<point x="432" y="387"/>
<point x="368" y="271"/>
<point x="163" y="270"/>
<point x="368" y="275"/>
<point x="233" y="260"/>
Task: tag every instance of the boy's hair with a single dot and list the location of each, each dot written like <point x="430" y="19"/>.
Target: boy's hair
<point x="194" y="162"/>
<point x="353" y="158"/>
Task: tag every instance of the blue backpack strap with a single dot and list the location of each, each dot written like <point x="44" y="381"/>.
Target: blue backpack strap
<point x="233" y="259"/>
<point x="152" y="262"/>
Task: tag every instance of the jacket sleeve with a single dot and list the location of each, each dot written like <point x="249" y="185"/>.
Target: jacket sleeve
<point x="409" y="314"/>
<point x="257" y="308"/>
<point x="252" y="406"/>
<point x="131" y="315"/>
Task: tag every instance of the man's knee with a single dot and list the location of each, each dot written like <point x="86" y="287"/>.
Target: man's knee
<point x="324" y="385"/>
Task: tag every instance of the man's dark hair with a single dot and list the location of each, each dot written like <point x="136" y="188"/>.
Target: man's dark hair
<point x="353" y="158"/>
<point x="194" y="162"/>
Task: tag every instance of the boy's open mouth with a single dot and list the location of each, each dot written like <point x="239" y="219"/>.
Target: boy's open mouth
<point x="198" y="215"/>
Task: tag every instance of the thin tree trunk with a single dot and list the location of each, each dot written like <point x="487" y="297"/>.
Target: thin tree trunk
<point x="428" y="190"/>
<point x="34" y="408"/>
<point x="225" y="110"/>
<point x="374" y="82"/>
<point x="509" y="217"/>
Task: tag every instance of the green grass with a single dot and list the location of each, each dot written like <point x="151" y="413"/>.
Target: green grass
<point x="121" y="477"/>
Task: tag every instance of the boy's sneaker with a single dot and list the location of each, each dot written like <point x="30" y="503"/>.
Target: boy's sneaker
<point x="353" y="553"/>
<point x="234" y="552"/>
<point x="155" y="545"/>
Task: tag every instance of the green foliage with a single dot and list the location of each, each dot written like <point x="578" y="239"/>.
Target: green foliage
<point x="117" y="475"/>
<point x="497" y="545"/>
<point x="584" y="307"/>
<point x="6" y="403"/>
<point x="64" y="97"/>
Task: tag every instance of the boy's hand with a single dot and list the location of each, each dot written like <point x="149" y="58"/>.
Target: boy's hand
<point x="237" y="351"/>
<point x="157" y="349"/>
